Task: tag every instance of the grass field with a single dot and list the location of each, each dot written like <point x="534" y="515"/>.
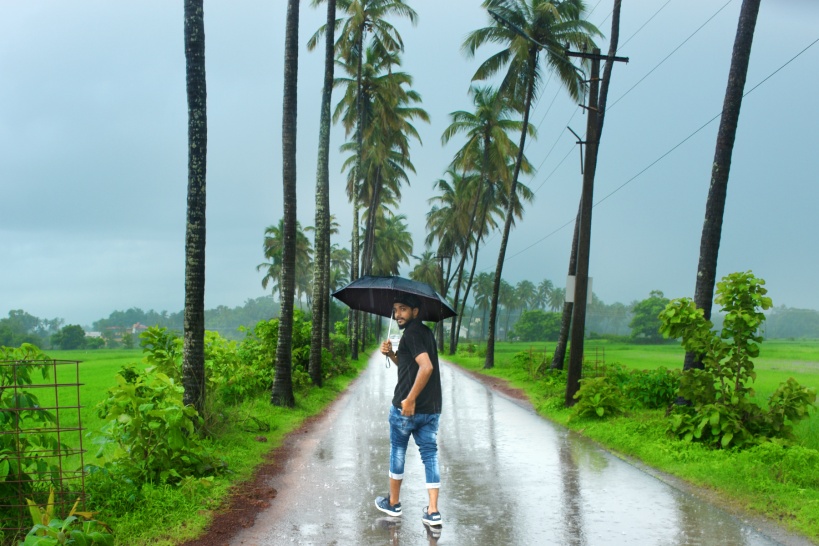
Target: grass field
<point x="778" y="360"/>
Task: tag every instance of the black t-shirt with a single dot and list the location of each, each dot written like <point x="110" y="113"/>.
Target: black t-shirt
<point x="418" y="339"/>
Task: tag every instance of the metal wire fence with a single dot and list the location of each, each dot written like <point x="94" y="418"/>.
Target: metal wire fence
<point x="41" y="447"/>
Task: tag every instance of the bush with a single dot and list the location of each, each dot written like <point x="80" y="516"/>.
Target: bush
<point x="150" y="435"/>
<point x="535" y="364"/>
<point x="721" y="412"/>
<point x="652" y="389"/>
<point x="598" y="398"/>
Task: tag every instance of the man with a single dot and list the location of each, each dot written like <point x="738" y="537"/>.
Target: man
<point x="416" y="406"/>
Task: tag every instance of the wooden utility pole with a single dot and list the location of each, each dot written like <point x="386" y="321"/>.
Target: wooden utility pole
<point x="581" y="279"/>
<point x="581" y="282"/>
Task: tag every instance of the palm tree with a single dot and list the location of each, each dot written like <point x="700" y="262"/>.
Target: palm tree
<point x="339" y="268"/>
<point x="320" y="334"/>
<point x="485" y="151"/>
<point x="426" y="270"/>
<point x="715" y="205"/>
<point x="282" y="393"/>
<point x="274" y="251"/>
<point x="526" y="294"/>
<point x="365" y="16"/>
<point x="508" y="299"/>
<point x="393" y="243"/>
<point x="557" y="296"/>
<point x="193" y="352"/>
<point x="539" y="25"/>
<point x="544" y="290"/>
<point x="483" y="296"/>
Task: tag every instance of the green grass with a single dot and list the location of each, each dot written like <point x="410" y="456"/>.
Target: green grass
<point x="168" y="515"/>
<point x="779" y="483"/>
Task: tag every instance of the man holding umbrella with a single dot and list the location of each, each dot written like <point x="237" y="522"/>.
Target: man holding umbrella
<point x="416" y="406"/>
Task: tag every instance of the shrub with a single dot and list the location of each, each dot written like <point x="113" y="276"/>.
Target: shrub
<point x="535" y="364"/>
<point x="652" y="389"/>
<point x="721" y="412"/>
<point x="598" y="398"/>
<point x="150" y="434"/>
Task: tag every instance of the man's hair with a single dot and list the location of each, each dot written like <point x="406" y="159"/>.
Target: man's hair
<point x="407" y="299"/>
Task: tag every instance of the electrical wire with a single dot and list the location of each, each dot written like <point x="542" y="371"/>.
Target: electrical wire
<point x="664" y="155"/>
<point x="610" y="106"/>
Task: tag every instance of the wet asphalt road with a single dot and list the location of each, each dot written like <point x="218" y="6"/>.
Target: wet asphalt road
<point x="508" y="478"/>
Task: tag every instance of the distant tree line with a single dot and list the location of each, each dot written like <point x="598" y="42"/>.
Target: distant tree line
<point x="536" y="322"/>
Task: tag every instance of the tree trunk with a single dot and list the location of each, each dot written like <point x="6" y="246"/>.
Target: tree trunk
<point x="581" y="279"/>
<point x="193" y="352"/>
<point x="510" y="208"/>
<point x="566" y="319"/>
<point x="282" y="394"/>
<point x="715" y="205"/>
<point x="354" y="315"/>
<point x="321" y="271"/>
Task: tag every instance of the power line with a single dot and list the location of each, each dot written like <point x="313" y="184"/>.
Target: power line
<point x="644" y="24"/>
<point x="664" y="155"/>
<point x="610" y="106"/>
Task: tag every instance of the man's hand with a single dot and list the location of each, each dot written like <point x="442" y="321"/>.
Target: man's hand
<point x="386" y="348"/>
<point x="407" y="407"/>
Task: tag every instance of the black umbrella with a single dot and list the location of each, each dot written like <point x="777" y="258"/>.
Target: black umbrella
<point x="374" y="294"/>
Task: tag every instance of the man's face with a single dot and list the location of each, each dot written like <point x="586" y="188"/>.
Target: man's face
<point x="403" y="314"/>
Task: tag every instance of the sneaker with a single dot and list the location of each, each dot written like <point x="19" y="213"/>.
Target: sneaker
<point x="383" y="504"/>
<point x="432" y="519"/>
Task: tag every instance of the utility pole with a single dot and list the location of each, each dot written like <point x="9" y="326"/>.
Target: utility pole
<point x="581" y="282"/>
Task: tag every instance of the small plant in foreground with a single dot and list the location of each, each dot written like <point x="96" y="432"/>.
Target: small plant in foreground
<point x="49" y="530"/>
<point x="721" y="412"/>
<point x="599" y="398"/>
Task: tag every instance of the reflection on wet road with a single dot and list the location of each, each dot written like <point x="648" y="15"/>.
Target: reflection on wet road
<point x="508" y="478"/>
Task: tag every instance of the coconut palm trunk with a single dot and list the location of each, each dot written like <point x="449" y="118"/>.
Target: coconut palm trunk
<point x="321" y="272"/>
<point x="282" y="394"/>
<point x="507" y="226"/>
<point x="715" y="205"/>
<point x="193" y="352"/>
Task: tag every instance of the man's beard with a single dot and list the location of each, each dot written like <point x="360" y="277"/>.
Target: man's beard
<point x="406" y="323"/>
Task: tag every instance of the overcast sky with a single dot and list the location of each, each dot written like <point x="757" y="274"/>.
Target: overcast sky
<point x="93" y="156"/>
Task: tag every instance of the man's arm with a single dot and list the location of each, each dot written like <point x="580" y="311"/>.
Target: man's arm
<point x="421" y="380"/>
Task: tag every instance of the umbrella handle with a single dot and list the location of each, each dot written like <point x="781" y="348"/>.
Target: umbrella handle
<point x="389" y="331"/>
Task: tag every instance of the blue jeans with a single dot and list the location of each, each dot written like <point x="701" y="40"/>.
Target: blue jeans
<point x="424" y="429"/>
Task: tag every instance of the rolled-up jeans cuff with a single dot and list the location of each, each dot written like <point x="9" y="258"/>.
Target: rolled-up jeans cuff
<point x="396" y="476"/>
<point x="433" y="486"/>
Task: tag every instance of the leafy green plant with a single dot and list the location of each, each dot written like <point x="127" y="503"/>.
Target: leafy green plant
<point x="49" y="530"/>
<point x="535" y="364"/>
<point x="149" y="433"/>
<point x="27" y="450"/>
<point x="599" y="398"/>
<point x="652" y="389"/>
<point x="721" y="412"/>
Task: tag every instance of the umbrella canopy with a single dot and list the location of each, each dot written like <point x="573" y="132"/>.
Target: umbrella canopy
<point x="374" y="294"/>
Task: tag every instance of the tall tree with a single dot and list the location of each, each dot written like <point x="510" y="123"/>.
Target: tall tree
<point x="365" y="16"/>
<point x="715" y="205"/>
<point x="319" y="336"/>
<point x="527" y="28"/>
<point x="282" y="393"/>
<point x="193" y="352"/>
<point x="274" y="252"/>
<point x="485" y="152"/>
